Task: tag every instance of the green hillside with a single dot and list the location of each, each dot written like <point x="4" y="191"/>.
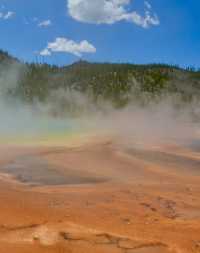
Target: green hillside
<point x="116" y="83"/>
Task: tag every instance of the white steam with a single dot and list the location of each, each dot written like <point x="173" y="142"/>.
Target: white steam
<point x="153" y="124"/>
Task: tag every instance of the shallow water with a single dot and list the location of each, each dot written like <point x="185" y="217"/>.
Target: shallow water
<point x="194" y="145"/>
<point x="35" y="170"/>
<point x="171" y="161"/>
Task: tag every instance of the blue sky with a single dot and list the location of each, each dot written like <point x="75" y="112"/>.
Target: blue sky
<point x="61" y="31"/>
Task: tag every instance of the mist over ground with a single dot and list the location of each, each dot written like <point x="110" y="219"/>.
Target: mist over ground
<point x="126" y="108"/>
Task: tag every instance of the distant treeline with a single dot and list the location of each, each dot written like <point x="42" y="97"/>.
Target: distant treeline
<point x="117" y="83"/>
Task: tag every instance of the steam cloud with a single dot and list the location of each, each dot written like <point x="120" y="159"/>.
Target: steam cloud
<point x="153" y="124"/>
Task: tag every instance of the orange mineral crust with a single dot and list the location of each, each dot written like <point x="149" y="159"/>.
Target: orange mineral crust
<point x="99" y="197"/>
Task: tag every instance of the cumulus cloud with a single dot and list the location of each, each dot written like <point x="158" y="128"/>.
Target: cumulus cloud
<point x="7" y="15"/>
<point x="148" y="5"/>
<point x="109" y="12"/>
<point x="45" y="52"/>
<point x="65" y="45"/>
<point x="45" y="23"/>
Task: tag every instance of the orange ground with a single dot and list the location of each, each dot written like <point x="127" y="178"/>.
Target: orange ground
<point x="116" y="199"/>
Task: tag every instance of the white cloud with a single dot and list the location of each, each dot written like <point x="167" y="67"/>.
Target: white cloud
<point x="148" y="5"/>
<point x="45" y="52"/>
<point x="109" y="12"/>
<point x="7" y="15"/>
<point x="45" y="23"/>
<point x="65" y="45"/>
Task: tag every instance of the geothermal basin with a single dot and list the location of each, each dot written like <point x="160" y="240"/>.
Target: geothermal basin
<point x="100" y="196"/>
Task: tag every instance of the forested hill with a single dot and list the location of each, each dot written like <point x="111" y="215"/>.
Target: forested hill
<point x="117" y="83"/>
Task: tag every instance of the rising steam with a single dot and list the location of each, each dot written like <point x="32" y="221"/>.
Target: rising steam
<point x="66" y="111"/>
